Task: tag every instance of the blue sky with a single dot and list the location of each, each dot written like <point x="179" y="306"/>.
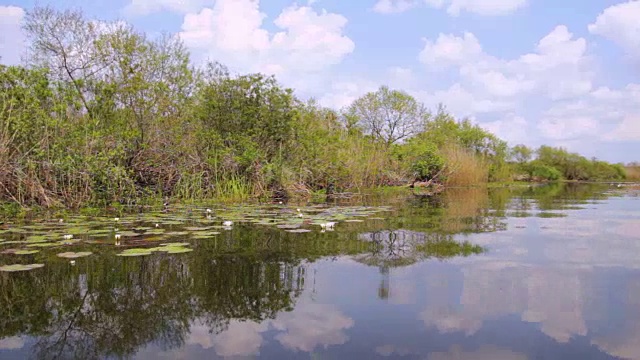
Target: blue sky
<point x="532" y="71"/>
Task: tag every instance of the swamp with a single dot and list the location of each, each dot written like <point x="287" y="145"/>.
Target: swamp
<point x="155" y="204"/>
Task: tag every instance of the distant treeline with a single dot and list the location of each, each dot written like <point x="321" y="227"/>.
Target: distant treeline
<point x="101" y="113"/>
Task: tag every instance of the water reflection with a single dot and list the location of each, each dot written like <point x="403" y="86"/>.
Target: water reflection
<point x="412" y="285"/>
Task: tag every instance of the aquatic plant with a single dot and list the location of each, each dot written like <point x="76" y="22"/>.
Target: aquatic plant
<point x="20" y="267"/>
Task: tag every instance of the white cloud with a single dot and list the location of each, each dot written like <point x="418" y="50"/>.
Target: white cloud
<point x="241" y="338"/>
<point x="343" y="93"/>
<point x="232" y="32"/>
<point x="462" y="102"/>
<point x="454" y="7"/>
<point x="11" y="343"/>
<point x="619" y="23"/>
<point x="558" y="67"/>
<point x="568" y="128"/>
<point x="450" y="50"/>
<point x="146" y="7"/>
<point x="627" y="130"/>
<point x="12" y="39"/>
<point x="513" y="127"/>
<point x="555" y="49"/>
<point x="311" y="325"/>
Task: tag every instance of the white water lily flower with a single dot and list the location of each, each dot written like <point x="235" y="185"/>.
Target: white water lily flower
<point x="116" y="219"/>
<point x="227" y="223"/>
<point x="327" y="225"/>
<point x="68" y="237"/>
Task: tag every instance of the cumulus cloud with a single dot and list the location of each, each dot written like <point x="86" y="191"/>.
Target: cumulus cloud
<point x="450" y="50"/>
<point x="308" y="326"/>
<point x="619" y="23"/>
<point x="311" y="325"/>
<point x="12" y="39"/>
<point x="232" y="32"/>
<point x="240" y="338"/>
<point x="453" y="7"/>
<point x="558" y="67"/>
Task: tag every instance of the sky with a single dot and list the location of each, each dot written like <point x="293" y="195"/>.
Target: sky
<point x="562" y="73"/>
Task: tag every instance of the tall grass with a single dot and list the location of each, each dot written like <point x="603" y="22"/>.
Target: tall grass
<point x="232" y="189"/>
<point x="463" y="167"/>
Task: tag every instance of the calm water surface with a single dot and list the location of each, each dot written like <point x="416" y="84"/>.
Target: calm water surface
<point x="557" y="277"/>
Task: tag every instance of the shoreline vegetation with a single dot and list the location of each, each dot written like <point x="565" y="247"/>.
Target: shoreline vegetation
<point x="102" y="115"/>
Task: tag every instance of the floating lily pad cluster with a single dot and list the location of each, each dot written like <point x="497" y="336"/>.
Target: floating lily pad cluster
<point x="137" y="234"/>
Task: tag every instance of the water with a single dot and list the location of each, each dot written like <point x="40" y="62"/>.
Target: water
<point x="558" y="278"/>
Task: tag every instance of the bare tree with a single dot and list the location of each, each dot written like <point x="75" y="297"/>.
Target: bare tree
<point x="63" y="42"/>
<point x="388" y="115"/>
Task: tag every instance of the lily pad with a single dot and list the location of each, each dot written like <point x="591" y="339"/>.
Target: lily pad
<point x="135" y="252"/>
<point x="26" y="252"/>
<point x="36" y="239"/>
<point x="178" y="250"/>
<point x="20" y="267"/>
<point x="19" y="251"/>
<point x="74" y="255"/>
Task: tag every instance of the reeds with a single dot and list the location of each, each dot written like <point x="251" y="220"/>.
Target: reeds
<point x="463" y="167"/>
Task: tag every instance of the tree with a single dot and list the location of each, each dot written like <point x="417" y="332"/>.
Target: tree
<point x="521" y="154"/>
<point x="64" y="43"/>
<point x="388" y="115"/>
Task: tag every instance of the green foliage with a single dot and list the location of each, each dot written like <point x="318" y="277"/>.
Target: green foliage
<point x="537" y="169"/>
<point x="424" y="159"/>
<point x="573" y="166"/>
<point x="521" y="154"/>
